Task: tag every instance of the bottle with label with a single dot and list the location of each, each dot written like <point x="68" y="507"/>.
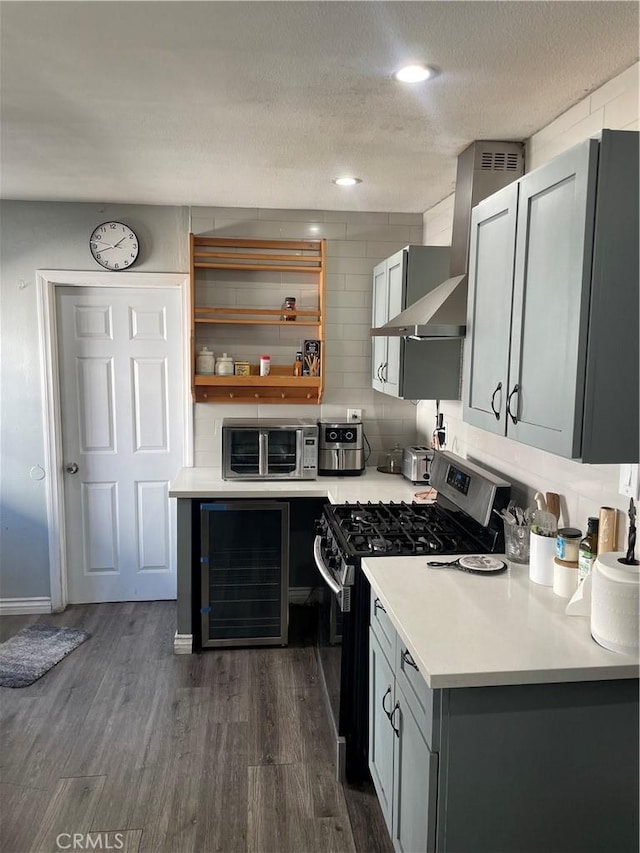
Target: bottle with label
<point x="297" y="365"/>
<point x="588" y="549"/>
<point x="265" y="365"/>
<point x="288" y="305"/>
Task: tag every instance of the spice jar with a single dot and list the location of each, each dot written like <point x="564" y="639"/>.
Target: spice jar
<point x="205" y="361"/>
<point x="288" y="305"/>
<point x="567" y="544"/>
<point x="265" y="365"/>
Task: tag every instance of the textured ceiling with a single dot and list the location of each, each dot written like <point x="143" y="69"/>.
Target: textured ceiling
<point x="260" y="104"/>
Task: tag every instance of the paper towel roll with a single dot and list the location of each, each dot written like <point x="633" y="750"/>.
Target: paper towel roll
<point x="607" y="529"/>
<point x="615" y="603"/>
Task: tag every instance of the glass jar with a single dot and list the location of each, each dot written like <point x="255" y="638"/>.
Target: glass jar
<point x="224" y="365"/>
<point x="205" y="362"/>
<point x="288" y="305"/>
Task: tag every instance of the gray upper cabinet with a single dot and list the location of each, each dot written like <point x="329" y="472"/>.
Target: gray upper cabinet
<point x="551" y="357"/>
<point x="412" y="370"/>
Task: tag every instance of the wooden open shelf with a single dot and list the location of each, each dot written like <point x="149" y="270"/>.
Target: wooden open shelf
<point x="253" y="256"/>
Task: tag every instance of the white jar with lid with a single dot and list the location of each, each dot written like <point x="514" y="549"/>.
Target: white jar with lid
<point x="265" y="365"/>
<point x="224" y="365"/>
<point x="205" y="361"/>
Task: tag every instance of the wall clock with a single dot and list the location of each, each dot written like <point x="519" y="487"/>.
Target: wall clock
<point x="114" y="245"/>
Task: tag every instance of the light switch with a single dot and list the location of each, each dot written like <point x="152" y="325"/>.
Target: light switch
<point x="629" y="481"/>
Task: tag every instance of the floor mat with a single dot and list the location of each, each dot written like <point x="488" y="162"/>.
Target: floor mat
<point x="34" y="650"/>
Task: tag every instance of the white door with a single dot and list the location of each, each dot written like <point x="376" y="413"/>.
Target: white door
<point x="121" y="393"/>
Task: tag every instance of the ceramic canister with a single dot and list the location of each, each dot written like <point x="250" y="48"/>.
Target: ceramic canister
<point x="542" y="552"/>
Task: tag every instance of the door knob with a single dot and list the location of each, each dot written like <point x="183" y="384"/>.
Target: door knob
<point x="72" y="468"/>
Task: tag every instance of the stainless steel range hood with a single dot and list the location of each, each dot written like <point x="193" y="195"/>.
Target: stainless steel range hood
<point x="483" y="168"/>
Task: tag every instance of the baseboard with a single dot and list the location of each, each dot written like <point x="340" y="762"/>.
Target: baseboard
<point x="182" y="644"/>
<point x="24" y="606"/>
<point x="301" y="595"/>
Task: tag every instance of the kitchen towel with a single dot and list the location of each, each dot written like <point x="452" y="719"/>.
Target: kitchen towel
<point x="34" y="650"/>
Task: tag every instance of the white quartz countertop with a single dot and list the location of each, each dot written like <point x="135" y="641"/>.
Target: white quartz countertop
<point x="369" y="486"/>
<point x="467" y="630"/>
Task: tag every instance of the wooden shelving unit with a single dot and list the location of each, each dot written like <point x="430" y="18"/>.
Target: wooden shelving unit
<point x="250" y="256"/>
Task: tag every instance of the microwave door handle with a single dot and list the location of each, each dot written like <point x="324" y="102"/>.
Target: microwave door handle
<point x="333" y="585"/>
<point x="263" y="453"/>
<point x="299" y="451"/>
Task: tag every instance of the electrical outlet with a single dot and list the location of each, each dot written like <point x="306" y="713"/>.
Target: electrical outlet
<point x="628" y="485"/>
<point x="354" y="415"/>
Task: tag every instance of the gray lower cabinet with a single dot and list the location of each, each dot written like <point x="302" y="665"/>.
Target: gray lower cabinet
<point x="515" y="768"/>
<point x="551" y="356"/>
<point x="412" y="370"/>
<point x="403" y="767"/>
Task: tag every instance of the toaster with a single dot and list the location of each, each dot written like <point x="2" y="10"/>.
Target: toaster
<point x="416" y="464"/>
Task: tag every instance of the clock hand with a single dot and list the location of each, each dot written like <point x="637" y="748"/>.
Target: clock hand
<point x="108" y="245"/>
<point x="120" y="241"/>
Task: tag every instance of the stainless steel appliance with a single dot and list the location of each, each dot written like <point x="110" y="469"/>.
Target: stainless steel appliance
<point x="340" y="448"/>
<point x="416" y="464"/>
<point x="461" y="521"/>
<point x="269" y="449"/>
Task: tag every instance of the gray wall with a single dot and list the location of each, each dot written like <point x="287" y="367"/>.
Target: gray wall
<point x="42" y="235"/>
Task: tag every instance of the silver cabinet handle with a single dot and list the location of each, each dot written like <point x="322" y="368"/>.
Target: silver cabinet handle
<point x="72" y="468"/>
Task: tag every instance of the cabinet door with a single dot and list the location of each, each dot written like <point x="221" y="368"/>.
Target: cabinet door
<point x="551" y="301"/>
<point x="416" y="779"/>
<point x="396" y="270"/>
<point x="486" y="355"/>
<point x="379" y="317"/>
<point x="381" y="736"/>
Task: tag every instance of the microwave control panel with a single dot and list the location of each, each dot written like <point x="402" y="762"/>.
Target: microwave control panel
<point x="310" y="452"/>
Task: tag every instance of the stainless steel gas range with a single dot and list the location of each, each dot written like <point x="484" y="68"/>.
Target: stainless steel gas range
<point x="461" y="521"/>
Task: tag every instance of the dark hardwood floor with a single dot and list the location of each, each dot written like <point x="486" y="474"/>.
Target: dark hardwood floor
<point x="216" y="752"/>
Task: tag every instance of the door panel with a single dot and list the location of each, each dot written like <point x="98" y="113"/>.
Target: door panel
<point x="379" y="317"/>
<point x="121" y="391"/>
<point x="486" y="361"/>
<point x="381" y="736"/>
<point x="551" y="300"/>
<point x="396" y="266"/>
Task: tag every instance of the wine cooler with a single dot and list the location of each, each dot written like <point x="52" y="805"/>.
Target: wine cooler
<point x="245" y="572"/>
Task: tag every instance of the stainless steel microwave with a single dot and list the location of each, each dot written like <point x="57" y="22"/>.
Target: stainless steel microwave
<point x="269" y="449"/>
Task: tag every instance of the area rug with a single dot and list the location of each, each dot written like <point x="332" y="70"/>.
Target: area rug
<point x="34" y="650"/>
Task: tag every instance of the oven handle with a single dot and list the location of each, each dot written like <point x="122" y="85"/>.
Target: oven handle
<point x="333" y="585"/>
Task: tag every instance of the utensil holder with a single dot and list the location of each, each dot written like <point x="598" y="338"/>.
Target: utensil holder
<point x="542" y="552"/>
<point x="516" y="542"/>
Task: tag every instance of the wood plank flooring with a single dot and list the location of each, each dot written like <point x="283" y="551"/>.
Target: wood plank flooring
<point x="226" y="751"/>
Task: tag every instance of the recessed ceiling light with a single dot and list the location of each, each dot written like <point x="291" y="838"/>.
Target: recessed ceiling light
<point x="347" y="181"/>
<point x="414" y="73"/>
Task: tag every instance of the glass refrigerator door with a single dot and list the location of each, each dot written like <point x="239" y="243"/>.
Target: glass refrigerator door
<point x="245" y="572"/>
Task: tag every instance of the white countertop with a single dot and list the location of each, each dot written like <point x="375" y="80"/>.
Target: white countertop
<point x="467" y="630"/>
<point x="369" y="486"/>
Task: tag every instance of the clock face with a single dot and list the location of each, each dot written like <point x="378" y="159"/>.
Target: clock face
<point x="114" y="246"/>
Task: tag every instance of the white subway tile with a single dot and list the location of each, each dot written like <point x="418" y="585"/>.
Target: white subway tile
<point x="389" y="233"/>
<point x="291" y="214"/>
<point x="381" y="249"/>
<point x="356" y="217"/>
<point x="350" y="266"/>
<point x="348" y="299"/>
<point x="628" y="81"/>
<point x="622" y="110"/>
<point x="359" y="282"/>
<point x="346" y="249"/>
<point x="334" y="281"/>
